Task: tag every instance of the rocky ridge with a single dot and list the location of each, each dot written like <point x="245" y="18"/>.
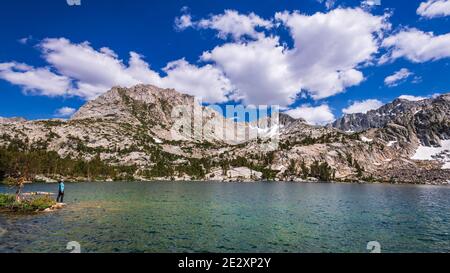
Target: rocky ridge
<point x="153" y="129"/>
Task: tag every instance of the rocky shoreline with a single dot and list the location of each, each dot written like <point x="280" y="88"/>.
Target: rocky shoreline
<point x="407" y="179"/>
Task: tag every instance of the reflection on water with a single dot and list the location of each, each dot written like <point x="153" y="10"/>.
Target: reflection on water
<point x="235" y="217"/>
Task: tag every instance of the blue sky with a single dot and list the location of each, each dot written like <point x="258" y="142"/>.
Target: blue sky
<point x="224" y="51"/>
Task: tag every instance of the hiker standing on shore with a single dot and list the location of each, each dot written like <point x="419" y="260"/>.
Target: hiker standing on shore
<point x="19" y="186"/>
<point x="60" y="198"/>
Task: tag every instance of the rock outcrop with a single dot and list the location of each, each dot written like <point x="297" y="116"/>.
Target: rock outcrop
<point x="427" y="120"/>
<point x="150" y="128"/>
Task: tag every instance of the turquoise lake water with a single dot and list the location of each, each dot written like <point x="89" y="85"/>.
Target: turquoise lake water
<point x="234" y="217"/>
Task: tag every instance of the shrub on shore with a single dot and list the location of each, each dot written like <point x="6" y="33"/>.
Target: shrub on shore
<point x="6" y="200"/>
<point x="40" y="203"/>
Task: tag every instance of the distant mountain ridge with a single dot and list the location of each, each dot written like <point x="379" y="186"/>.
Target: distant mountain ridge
<point x="377" y="118"/>
<point x="428" y="119"/>
<point x="11" y="120"/>
<point x="142" y="133"/>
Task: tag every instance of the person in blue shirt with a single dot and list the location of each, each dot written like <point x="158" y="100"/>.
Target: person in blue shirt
<point x="60" y="198"/>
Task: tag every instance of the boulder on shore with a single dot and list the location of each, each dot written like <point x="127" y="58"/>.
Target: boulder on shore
<point x="56" y="206"/>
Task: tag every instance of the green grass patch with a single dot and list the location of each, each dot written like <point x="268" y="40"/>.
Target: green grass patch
<point x="6" y="200"/>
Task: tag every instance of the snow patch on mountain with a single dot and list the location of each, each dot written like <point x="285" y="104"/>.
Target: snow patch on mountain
<point x="391" y="143"/>
<point x="441" y="154"/>
<point x="365" y="139"/>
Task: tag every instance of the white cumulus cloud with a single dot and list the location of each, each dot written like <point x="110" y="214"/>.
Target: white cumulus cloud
<point x="80" y="70"/>
<point x="230" y="23"/>
<point x="259" y="70"/>
<point x="318" y="115"/>
<point x="362" y="106"/>
<point x="329" y="51"/>
<point x="434" y="8"/>
<point x="183" y="22"/>
<point x="206" y="82"/>
<point x="398" y="77"/>
<point x="416" y="46"/>
<point x="65" y="112"/>
<point x="25" y="40"/>
<point x="412" y="98"/>
<point x="41" y="81"/>
<point x="330" y="47"/>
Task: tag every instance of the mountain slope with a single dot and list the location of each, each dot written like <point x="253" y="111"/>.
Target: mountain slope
<point x="145" y="132"/>
<point x="428" y="120"/>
